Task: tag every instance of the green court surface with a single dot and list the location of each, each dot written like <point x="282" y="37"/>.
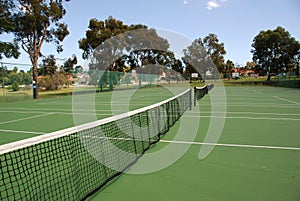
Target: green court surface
<point x="21" y="120"/>
<point x="256" y="158"/>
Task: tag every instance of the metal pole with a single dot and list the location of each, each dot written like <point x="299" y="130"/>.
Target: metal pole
<point x="2" y="79"/>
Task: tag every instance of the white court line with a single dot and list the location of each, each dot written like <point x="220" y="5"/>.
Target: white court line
<point x="232" y="145"/>
<point x="257" y="92"/>
<point x="53" y="109"/>
<point x="249" y="118"/>
<point x="107" y="103"/>
<point x="37" y="109"/>
<point x="264" y="105"/>
<point x="16" y="120"/>
<point x="251" y="113"/>
<point x="27" y="132"/>
<point x="22" y="112"/>
<point x="286" y="100"/>
<point x="63" y="113"/>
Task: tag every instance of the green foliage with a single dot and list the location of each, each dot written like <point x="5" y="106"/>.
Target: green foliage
<point x="100" y="31"/>
<point x="78" y="69"/>
<point x="37" y="21"/>
<point x="10" y="76"/>
<point x="15" y="77"/>
<point x="276" y="51"/>
<point x="69" y="65"/>
<point x="7" y="49"/>
<point x="113" y="44"/>
<point x="48" y="66"/>
<point x="195" y="58"/>
<point x="151" y="61"/>
<point x="52" y="82"/>
<point x="205" y="55"/>
<point x="228" y="69"/>
<point x="15" y="70"/>
<point x="33" y="23"/>
<point x="15" y="86"/>
<point x="250" y="65"/>
<point x="215" y="50"/>
<point x="26" y="77"/>
<point x="5" y="16"/>
<point x="119" y="47"/>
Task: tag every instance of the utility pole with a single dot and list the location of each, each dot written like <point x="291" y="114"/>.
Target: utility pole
<point x="2" y="79"/>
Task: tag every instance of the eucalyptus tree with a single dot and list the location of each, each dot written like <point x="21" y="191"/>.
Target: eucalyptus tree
<point x="38" y="22"/>
<point x="205" y="55"/>
<point x="110" y="45"/>
<point x="275" y="51"/>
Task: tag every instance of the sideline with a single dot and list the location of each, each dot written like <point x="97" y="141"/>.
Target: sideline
<point x="232" y="145"/>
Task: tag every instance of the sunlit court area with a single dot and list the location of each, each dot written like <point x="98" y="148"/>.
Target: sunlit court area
<point x="194" y="100"/>
<point x="256" y="156"/>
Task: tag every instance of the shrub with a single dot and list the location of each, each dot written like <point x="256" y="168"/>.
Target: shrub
<point x="15" y="86"/>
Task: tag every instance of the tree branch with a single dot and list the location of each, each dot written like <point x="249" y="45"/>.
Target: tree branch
<point x="43" y="38"/>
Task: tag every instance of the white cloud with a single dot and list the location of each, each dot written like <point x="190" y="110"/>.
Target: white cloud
<point x="186" y="2"/>
<point x="214" y="4"/>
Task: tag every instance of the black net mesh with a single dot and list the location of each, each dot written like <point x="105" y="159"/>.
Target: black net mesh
<point x="67" y="167"/>
<point x="200" y="92"/>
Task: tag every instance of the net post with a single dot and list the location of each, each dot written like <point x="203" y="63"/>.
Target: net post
<point x="190" y="99"/>
<point x="134" y="140"/>
<point x="141" y="131"/>
<point x="195" y="96"/>
<point x="148" y="126"/>
<point x="158" y="119"/>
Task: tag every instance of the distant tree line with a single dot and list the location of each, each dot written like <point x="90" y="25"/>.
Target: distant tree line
<point x="36" y="22"/>
<point x="15" y="78"/>
<point x="51" y="76"/>
<point x="131" y="50"/>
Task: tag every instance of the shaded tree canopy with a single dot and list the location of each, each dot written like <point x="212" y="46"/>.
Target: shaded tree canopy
<point x="275" y="50"/>
<point x="160" y="58"/>
<point x="215" y="51"/>
<point x="229" y="65"/>
<point x="195" y="58"/>
<point x="100" y="31"/>
<point x="112" y="45"/>
<point x="69" y="64"/>
<point x="205" y="55"/>
<point x="48" y="66"/>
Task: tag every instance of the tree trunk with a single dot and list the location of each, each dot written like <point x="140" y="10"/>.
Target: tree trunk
<point x="34" y="78"/>
<point x="269" y="77"/>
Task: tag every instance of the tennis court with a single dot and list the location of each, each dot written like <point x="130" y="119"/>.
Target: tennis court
<point x="256" y="158"/>
<point x="22" y="120"/>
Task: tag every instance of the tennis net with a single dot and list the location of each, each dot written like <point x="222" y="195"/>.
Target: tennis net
<point x="74" y="163"/>
<point x="200" y="92"/>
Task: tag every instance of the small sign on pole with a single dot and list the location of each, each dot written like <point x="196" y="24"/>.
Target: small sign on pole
<point x="194" y="74"/>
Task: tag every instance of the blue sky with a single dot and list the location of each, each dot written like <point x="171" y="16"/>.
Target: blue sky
<point x="235" y="22"/>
